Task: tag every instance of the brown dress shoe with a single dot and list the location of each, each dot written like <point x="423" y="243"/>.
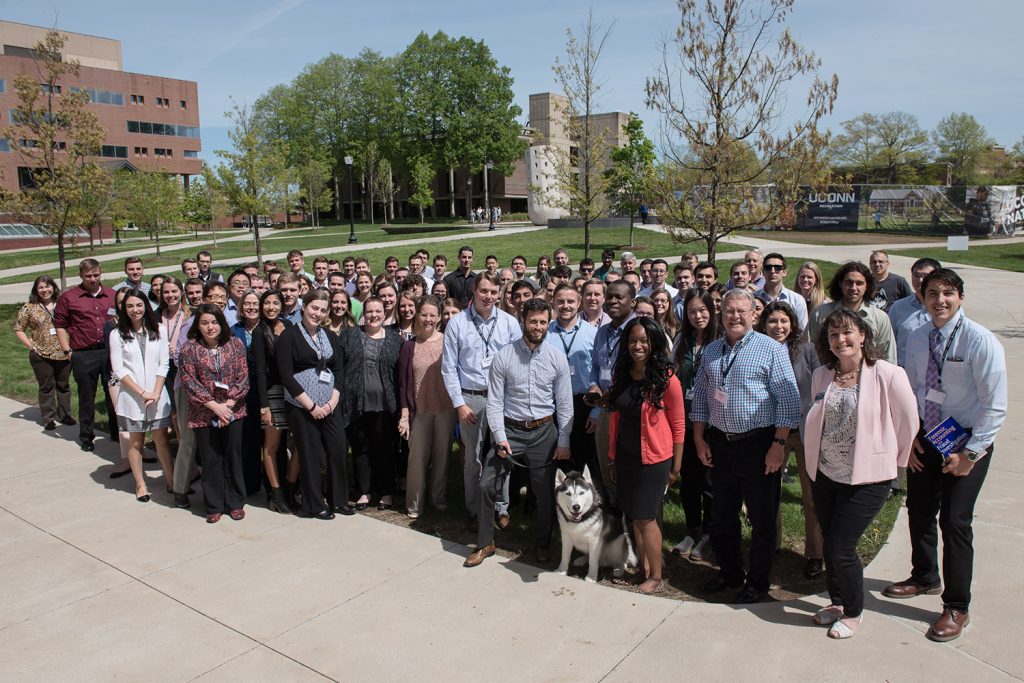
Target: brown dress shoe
<point x="909" y="589"/>
<point x="948" y="626"/>
<point x="478" y="556"/>
<point x="504" y="521"/>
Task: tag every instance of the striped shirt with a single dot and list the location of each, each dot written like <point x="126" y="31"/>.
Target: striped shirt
<point x="758" y="381"/>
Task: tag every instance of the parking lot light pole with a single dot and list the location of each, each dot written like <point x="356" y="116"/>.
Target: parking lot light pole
<point x="351" y="209"/>
<point x="490" y="191"/>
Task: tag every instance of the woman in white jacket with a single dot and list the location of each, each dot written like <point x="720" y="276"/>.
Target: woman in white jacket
<point x="139" y="359"/>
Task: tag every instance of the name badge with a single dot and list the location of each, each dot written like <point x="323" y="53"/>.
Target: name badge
<point x="487" y="362"/>
<point x="721" y="397"/>
<point x="111" y="312"/>
<point x="606" y="374"/>
<point x="220" y="385"/>
<point x="936" y="396"/>
<point x="53" y="330"/>
<point x="326" y="376"/>
<point x="572" y="371"/>
<point x="689" y="394"/>
<point x="819" y="397"/>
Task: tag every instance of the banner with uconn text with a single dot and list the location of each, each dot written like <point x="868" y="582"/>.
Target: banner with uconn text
<point x="836" y="209"/>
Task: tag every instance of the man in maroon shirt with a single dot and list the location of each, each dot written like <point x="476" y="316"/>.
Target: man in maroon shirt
<point x="79" y="317"/>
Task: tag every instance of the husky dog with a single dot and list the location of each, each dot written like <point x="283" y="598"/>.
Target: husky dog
<point x="593" y="531"/>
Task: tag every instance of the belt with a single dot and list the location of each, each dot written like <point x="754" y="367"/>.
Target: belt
<point x="739" y="436"/>
<point x="94" y="347"/>
<point x="475" y="392"/>
<point x="528" y="425"/>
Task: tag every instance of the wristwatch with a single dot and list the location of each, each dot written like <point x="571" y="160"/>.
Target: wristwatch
<point x="781" y="442"/>
<point x="973" y="456"/>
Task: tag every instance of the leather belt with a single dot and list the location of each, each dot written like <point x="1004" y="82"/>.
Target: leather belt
<point x="528" y="425"/>
<point x="740" y="436"/>
<point x="475" y="392"/>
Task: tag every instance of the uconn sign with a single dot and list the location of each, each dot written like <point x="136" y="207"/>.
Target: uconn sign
<point x="831" y="197"/>
<point x="833" y="208"/>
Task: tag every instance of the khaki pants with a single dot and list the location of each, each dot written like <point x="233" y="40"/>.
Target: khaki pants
<point x="186" y="458"/>
<point x="813" y="542"/>
<point x="430" y="441"/>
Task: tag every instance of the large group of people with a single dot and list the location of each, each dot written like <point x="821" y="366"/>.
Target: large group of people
<point x="340" y="388"/>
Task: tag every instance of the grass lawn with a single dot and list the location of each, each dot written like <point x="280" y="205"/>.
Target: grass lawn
<point x="80" y="250"/>
<point x="1001" y="256"/>
<point x="837" y="238"/>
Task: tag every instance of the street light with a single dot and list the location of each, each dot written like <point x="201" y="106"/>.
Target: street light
<point x="490" y="190"/>
<point x="351" y="210"/>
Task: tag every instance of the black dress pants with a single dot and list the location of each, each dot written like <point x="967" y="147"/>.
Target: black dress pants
<point x="695" y="489"/>
<point x="931" y="493"/>
<point x="315" y="439"/>
<point x="844" y="512"/>
<point x="87" y="366"/>
<point x="374" y="453"/>
<point x="582" y="445"/>
<point x="221" y="451"/>
<point x="738" y="478"/>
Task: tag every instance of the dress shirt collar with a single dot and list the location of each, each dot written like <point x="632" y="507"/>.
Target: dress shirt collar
<point x="475" y="314"/>
<point x="556" y="326"/>
<point x="743" y="340"/>
<point x="82" y="291"/>
<point x="522" y="346"/>
<point x="948" y="328"/>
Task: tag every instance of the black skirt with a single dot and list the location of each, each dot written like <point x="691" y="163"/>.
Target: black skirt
<point x="640" y="488"/>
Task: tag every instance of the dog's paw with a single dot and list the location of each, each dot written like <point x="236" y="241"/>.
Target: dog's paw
<point x="562" y="572"/>
<point x="580" y="561"/>
<point x="590" y="579"/>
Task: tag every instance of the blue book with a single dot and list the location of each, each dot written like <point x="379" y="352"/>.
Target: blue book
<point x="948" y="437"/>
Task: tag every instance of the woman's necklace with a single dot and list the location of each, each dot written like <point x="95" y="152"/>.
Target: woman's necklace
<point x="844" y="378"/>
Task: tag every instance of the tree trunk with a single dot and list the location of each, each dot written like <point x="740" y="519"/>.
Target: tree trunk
<point x="712" y="243"/>
<point x="92" y="243"/>
<point x="469" y="195"/>
<point x="337" y="199"/>
<point x="586" y="238"/>
<point x="451" y="193"/>
<point x="631" y="228"/>
<point x="421" y="223"/>
<point x="60" y="258"/>
<point x="287" y="210"/>
<point x="256" y="240"/>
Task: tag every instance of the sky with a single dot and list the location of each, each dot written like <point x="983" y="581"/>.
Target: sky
<point x="925" y="57"/>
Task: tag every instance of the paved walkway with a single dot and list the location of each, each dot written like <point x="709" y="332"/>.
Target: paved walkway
<point x="97" y="587"/>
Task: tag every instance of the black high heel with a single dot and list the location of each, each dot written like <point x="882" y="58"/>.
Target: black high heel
<point x="276" y="502"/>
<point x="144" y="498"/>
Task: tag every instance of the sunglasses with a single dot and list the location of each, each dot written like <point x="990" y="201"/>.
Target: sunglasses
<point x="774" y="266"/>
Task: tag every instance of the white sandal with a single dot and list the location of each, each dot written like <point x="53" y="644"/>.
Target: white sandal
<point x="828" y="615"/>
<point x="842" y="629"/>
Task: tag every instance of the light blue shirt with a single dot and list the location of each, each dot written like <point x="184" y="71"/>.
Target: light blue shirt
<point x="906" y="315"/>
<point x="528" y="385"/>
<point x="758" y="379"/>
<point x="465" y="354"/>
<point x="606" y="350"/>
<point x="973" y="377"/>
<point x="795" y="301"/>
<point x="231" y="312"/>
<point x="295" y="317"/>
<point x="143" y="287"/>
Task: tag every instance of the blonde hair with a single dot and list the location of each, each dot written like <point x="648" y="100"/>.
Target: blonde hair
<point x="817" y="295"/>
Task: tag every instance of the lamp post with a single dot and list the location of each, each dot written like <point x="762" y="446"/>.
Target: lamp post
<point x="351" y="210"/>
<point x="490" y="211"/>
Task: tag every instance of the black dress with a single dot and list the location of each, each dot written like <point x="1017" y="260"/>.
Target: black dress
<point x="640" y="487"/>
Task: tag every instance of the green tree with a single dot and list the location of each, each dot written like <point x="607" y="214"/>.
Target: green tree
<point x="422" y="175"/>
<point x="56" y="138"/>
<point x="963" y="142"/>
<point x="632" y="171"/>
<point x="722" y="90"/>
<point x="150" y="200"/>
<point x="881" y="147"/>
<point x="250" y="176"/>
<point x="196" y="206"/>
<point x="96" y="201"/>
<point x="580" y="182"/>
<point x="313" y="174"/>
<point x="385" y="183"/>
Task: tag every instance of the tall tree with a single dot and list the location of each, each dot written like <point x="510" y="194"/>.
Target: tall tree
<point x="56" y="138"/>
<point x="421" y="176"/>
<point x="196" y="206"/>
<point x="313" y="173"/>
<point x="150" y="200"/>
<point x="963" y="142"/>
<point x="881" y="147"/>
<point x="580" y="182"/>
<point x="385" y="184"/>
<point x="250" y="176"/>
<point x="722" y="90"/>
<point x="631" y="175"/>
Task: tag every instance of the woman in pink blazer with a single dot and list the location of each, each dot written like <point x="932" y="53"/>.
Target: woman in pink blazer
<point x="860" y="427"/>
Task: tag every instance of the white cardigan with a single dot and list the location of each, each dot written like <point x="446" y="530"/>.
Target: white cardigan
<point x="126" y="360"/>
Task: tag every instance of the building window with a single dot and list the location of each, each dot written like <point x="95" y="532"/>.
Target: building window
<point x="114" y="151"/>
<point x="4" y="145"/>
<point x="52" y="89"/>
<point x="162" y="152"/>
<point x="163" y="102"/>
<point x="163" y="129"/>
<point x="138" y="99"/>
<point x="141" y="151"/>
<point x="183" y="105"/>
<point x="3" y="88"/>
<point x="191" y="154"/>
<point x="102" y="96"/>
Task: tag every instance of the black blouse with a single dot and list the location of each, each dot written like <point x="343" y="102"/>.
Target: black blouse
<point x="294" y="354"/>
<point x="264" y="356"/>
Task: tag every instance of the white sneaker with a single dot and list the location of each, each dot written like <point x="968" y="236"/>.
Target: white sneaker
<point x="703" y="550"/>
<point x="684" y="546"/>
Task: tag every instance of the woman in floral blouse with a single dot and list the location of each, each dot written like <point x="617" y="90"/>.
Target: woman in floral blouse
<point x="35" y="329"/>
<point x="216" y="380"/>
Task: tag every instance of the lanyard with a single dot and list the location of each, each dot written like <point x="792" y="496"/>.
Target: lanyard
<point x="487" y="339"/>
<point x="735" y="355"/>
<point x="172" y="337"/>
<point x="216" y="361"/>
<point x="315" y="343"/>
<point x="561" y="336"/>
<point x="939" y="364"/>
<point x="608" y="345"/>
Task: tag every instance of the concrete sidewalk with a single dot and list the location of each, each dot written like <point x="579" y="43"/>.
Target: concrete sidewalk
<point x="96" y="587"/>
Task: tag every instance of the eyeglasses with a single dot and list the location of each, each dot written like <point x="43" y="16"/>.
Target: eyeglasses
<point x="734" y="313"/>
<point x="774" y="266"/>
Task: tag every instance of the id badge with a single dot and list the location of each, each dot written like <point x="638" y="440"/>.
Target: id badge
<point x="111" y="312"/>
<point x="326" y="376"/>
<point x="53" y="331"/>
<point x="721" y="397"/>
<point x="689" y="394"/>
<point x="572" y="371"/>
<point x="220" y="385"/>
<point x="936" y="396"/>
<point x="487" y="362"/>
<point x="606" y="375"/>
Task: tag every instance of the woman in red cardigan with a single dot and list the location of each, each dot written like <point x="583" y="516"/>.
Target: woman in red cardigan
<point x="647" y="427"/>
